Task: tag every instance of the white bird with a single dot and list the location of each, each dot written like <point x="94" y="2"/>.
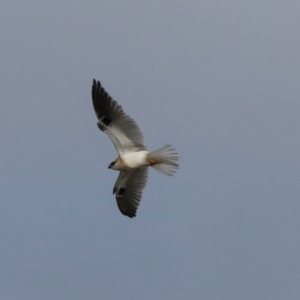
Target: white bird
<point x="134" y="159"/>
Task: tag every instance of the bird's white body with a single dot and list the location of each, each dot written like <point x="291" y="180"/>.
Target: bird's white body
<point x="131" y="160"/>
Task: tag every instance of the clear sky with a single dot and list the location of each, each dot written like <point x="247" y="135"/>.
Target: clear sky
<point x="219" y="80"/>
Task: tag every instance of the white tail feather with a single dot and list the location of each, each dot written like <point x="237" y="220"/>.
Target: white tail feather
<point x="164" y="160"/>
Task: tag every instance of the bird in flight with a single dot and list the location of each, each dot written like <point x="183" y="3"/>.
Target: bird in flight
<point x="134" y="159"/>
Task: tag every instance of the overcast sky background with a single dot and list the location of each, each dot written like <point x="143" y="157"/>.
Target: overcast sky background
<point x="219" y="80"/>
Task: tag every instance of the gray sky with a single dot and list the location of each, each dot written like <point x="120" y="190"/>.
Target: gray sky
<point x="219" y="80"/>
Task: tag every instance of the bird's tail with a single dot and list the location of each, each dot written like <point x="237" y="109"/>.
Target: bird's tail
<point x="164" y="160"/>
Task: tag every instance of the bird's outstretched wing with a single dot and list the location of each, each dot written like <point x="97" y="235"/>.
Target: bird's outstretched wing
<point x="122" y="129"/>
<point x="129" y="189"/>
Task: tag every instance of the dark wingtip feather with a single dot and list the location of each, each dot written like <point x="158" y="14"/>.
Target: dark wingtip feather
<point x="127" y="213"/>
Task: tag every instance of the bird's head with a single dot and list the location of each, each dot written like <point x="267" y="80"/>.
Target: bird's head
<point x="116" y="165"/>
<point x="111" y="165"/>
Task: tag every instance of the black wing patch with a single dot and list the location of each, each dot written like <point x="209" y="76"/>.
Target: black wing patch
<point x="105" y="107"/>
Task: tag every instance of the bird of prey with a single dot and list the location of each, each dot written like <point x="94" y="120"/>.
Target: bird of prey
<point x="134" y="159"/>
